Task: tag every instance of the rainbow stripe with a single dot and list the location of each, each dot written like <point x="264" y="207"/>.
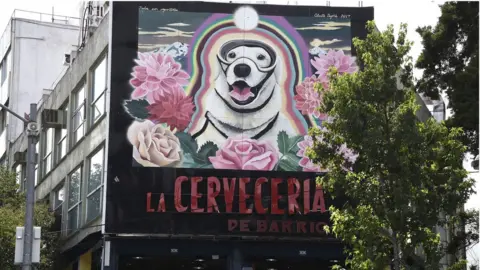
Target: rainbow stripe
<point x="273" y="30"/>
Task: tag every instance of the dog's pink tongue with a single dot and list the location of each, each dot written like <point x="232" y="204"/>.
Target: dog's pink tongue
<point x="241" y="94"/>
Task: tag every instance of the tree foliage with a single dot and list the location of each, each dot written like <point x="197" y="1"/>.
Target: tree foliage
<point x="12" y="213"/>
<point x="450" y="63"/>
<point x="407" y="173"/>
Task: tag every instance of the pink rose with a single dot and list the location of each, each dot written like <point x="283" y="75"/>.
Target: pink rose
<point x="245" y="154"/>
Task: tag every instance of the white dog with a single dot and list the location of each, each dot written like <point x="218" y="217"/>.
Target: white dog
<point x="246" y="99"/>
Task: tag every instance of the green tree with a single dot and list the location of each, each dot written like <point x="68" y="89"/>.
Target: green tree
<point x="407" y="174"/>
<point x="450" y="64"/>
<point x="12" y="213"/>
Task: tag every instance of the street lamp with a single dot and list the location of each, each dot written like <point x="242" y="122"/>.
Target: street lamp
<point x="32" y="134"/>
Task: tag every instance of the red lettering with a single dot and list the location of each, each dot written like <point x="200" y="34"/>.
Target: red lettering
<point x="301" y="227"/>
<point x="261" y="225"/>
<point x="195" y="195"/>
<point x="232" y="224"/>
<point x="149" y="202"/>
<point x="306" y="196"/>
<point x="178" y="194"/>
<point x="229" y="190"/>
<point x="274" y="226"/>
<point x="243" y="196"/>
<point x="212" y="191"/>
<point x="319" y="227"/>
<point x="286" y="226"/>
<point x="293" y="193"/>
<point x="276" y="197"/>
<point x="161" y="203"/>
<point x="244" y="226"/>
<point x="259" y="208"/>
<point x="319" y="201"/>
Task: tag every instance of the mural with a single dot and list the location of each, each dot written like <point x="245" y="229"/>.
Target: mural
<point x="232" y="91"/>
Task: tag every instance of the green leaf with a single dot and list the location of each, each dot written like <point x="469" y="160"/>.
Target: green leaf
<point x="137" y="108"/>
<point x="188" y="144"/>
<point x="282" y="142"/>
<point x="293" y="142"/>
<point x="207" y="150"/>
<point x="287" y="144"/>
<point x="289" y="162"/>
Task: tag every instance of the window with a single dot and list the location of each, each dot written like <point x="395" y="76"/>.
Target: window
<point x="18" y="172"/>
<point x="4" y="70"/>
<point x="74" y="200"/>
<point x="58" y="199"/>
<point x="78" y="114"/>
<point x="99" y="85"/>
<point x="94" y="185"/>
<point x="47" y="157"/>
<point x="36" y="164"/>
<point x="62" y="141"/>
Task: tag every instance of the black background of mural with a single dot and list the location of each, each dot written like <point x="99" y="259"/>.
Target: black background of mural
<point x="126" y="185"/>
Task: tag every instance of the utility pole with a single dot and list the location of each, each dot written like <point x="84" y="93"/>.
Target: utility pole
<point x="32" y="134"/>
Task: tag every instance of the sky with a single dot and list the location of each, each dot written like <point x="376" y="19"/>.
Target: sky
<point x="414" y="12"/>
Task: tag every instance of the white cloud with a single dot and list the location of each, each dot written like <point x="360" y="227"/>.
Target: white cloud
<point x="318" y="42"/>
<point x="167" y="32"/>
<point x="179" y="24"/>
<point x="326" y="25"/>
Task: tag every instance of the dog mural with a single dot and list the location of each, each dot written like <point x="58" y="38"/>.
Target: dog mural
<point x="246" y="98"/>
<point x="243" y="95"/>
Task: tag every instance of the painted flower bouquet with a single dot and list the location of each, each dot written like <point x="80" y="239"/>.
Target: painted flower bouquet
<point x="162" y="112"/>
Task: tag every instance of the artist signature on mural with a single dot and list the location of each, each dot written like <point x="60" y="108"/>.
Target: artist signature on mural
<point x="158" y="9"/>
<point x="331" y="16"/>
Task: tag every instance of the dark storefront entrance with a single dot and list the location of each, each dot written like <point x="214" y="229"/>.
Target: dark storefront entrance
<point x="179" y="254"/>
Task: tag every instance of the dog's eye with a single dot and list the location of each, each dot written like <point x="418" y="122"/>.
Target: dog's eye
<point x="261" y="57"/>
<point x="232" y="55"/>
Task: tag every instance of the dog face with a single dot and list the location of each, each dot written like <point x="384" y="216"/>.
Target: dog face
<point x="247" y="67"/>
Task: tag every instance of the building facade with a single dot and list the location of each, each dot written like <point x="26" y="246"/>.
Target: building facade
<point x="32" y="50"/>
<point x="134" y="153"/>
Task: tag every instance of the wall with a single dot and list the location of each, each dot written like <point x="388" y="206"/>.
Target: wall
<point x="38" y="53"/>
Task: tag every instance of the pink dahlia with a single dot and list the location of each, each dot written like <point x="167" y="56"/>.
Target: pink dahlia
<point x="154" y="74"/>
<point x="343" y="63"/>
<point x="173" y="108"/>
<point x="307" y="99"/>
<point x="305" y="162"/>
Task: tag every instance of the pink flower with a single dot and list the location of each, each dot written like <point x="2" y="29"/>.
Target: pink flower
<point x="154" y="74"/>
<point x="173" y="108"/>
<point x="307" y="99"/>
<point x="343" y="63"/>
<point x="305" y="162"/>
<point x="245" y="154"/>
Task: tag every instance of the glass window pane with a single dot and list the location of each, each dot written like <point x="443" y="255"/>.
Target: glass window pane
<point x="48" y="141"/>
<point x="78" y="118"/>
<point x="99" y="107"/>
<point x="93" y="205"/>
<point x="59" y="197"/>
<point x="79" y="97"/>
<point x="74" y="188"/>
<point x="63" y="147"/>
<point x="47" y="163"/>
<point x="99" y="79"/>
<point x="79" y="133"/>
<point x="73" y="220"/>
<point x="96" y="170"/>
<point x="18" y="171"/>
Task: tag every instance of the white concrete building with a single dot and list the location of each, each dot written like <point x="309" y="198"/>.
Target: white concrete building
<point x="32" y="52"/>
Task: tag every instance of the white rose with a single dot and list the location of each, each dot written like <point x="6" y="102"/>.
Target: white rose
<point x="154" y="145"/>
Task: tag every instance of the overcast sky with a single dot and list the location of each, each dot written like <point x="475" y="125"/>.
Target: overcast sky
<point x="414" y="12"/>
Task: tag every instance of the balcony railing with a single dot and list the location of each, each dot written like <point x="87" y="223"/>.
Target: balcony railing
<point x="45" y="17"/>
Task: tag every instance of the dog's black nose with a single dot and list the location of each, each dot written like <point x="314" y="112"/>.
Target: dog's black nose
<point x="242" y="70"/>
